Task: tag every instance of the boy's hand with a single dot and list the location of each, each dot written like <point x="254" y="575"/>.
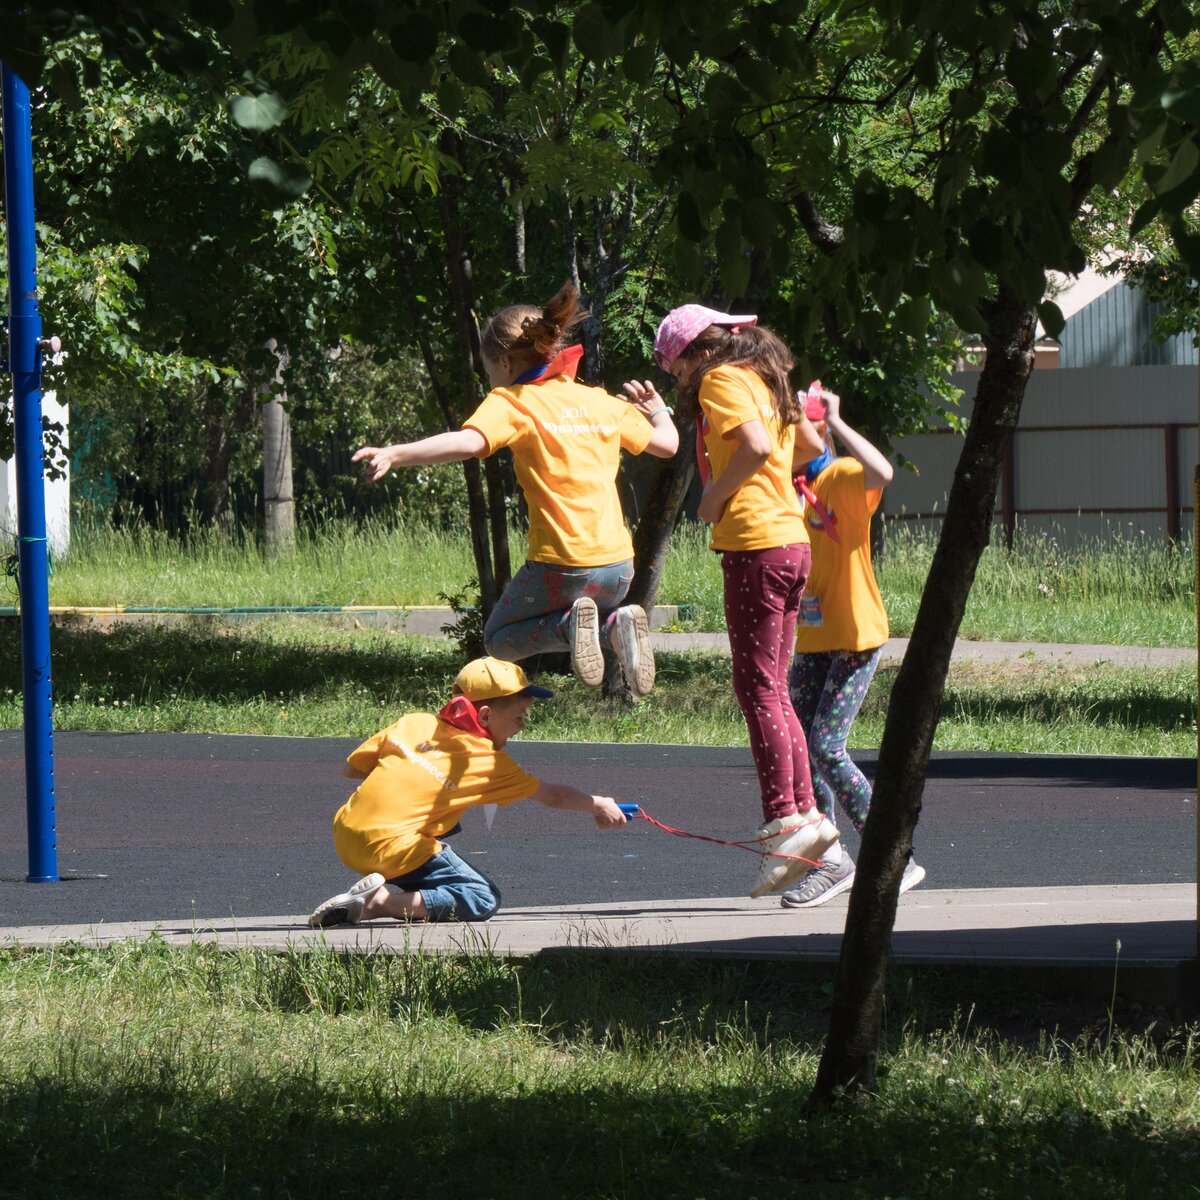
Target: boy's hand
<point x="606" y="813"/>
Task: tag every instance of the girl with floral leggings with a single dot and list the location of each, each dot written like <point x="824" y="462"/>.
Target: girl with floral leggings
<point x="840" y="635"/>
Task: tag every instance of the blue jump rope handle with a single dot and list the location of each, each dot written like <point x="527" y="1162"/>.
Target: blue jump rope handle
<point x="630" y="810"/>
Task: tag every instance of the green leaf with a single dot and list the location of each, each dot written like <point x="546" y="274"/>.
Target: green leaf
<point x="414" y="38"/>
<point x="689" y="262"/>
<point x="638" y="62"/>
<point x="469" y="66"/>
<point x="759" y="220"/>
<point x="758" y="76"/>
<point x="280" y="182"/>
<point x="1110" y="163"/>
<point x="692" y="224"/>
<point x="258" y="113"/>
<point x="487" y="33"/>
<point x="1051" y="317"/>
<point x="596" y="36"/>
<point x="1182" y="103"/>
<point x="1181" y="168"/>
<point x="732" y="259"/>
<point x="1030" y="69"/>
<point x="557" y="38"/>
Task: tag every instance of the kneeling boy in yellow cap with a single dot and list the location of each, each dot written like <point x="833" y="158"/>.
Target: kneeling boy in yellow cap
<point x="418" y="776"/>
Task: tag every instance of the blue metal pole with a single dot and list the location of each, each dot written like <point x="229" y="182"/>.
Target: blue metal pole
<point x="25" y="363"/>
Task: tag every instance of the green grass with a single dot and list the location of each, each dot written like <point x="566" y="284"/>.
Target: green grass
<point x="1128" y="590"/>
<point x="286" y="676"/>
<point x="139" y="1071"/>
<point x="1122" y="590"/>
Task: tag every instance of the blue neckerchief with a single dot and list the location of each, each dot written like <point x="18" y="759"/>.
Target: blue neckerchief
<point x="817" y="465"/>
<point x="530" y="375"/>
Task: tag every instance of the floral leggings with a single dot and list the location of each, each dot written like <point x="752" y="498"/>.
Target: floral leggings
<point x="827" y="691"/>
<point x="531" y="617"/>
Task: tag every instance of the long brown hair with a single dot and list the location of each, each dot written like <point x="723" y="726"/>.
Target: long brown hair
<point x="529" y="334"/>
<point x="749" y="346"/>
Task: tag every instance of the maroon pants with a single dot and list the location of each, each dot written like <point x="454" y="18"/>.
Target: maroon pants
<point x="762" y="599"/>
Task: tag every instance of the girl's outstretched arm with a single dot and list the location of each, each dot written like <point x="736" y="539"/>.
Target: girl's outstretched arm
<point x="454" y="446"/>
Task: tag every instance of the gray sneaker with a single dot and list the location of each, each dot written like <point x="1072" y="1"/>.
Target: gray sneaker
<point x="631" y="644"/>
<point x="583" y="641"/>
<point x="820" y="884"/>
<point x="911" y="877"/>
<point x="345" y="908"/>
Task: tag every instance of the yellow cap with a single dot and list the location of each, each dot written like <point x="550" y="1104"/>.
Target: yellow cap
<point x="490" y="678"/>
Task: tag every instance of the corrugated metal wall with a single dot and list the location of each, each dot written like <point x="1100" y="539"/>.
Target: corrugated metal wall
<point x="1096" y="449"/>
<point x="1116" y="329"/>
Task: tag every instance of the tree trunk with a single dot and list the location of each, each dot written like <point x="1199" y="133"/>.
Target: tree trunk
<point x="477" y="505"/>
<point x="851" y="1051"/>
<point x="652" y="538"/>
<point x="279" y="508"/>
<point x="473" y="377"/>
<point x="221" y="432"/>
<point x="651" y="541"/>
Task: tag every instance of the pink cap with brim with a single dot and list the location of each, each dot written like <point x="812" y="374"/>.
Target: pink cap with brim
<point x="683" y="325"/>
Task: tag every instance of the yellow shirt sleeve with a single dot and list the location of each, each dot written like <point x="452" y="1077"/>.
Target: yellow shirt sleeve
<point x="497" y="421"/>
<point x="764" y="512"/>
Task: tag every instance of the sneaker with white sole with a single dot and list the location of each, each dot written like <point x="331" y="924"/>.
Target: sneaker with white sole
<point x="346" y="907"/>
<point x="820" y="884"/>
<point x="911" y="877"/>
<point x="583" y="641"/>
<point x="631" y="645"/>
<point x="801" y="838"/>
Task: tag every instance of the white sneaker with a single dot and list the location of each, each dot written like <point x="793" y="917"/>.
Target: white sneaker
<point x="583" y="640"/>
<point x="346" y="907"/>
<point x="631" y="645"/>
<point x="911" y="877"/>
<point x="803" y="839"/>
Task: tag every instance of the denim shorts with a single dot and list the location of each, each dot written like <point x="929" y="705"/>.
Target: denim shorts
<point x="452" y="890"/>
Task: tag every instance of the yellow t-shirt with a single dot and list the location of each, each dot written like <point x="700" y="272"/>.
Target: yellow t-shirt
<point x="765" y="511"/>
<point x="416" y="790"/>
<point x="841" y="592"/>
<point x="566" y="441"/>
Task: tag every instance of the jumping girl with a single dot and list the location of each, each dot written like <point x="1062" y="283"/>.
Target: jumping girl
<point x="841" y="633"/>
<point x="566" y="441"/>
<point x="751" y="433"/>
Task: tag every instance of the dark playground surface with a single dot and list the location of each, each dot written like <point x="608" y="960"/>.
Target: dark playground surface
<point x="178" y="826"/>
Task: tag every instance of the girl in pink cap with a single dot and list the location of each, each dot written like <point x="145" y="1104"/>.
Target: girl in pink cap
<point x="842" y="629"/>
<point x="752" y="433"/>
<point x="566" y="441"/>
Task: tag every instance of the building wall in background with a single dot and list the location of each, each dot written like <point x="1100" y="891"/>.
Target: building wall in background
<point x="58" y="491"/>
<point x="1096" y="450"/>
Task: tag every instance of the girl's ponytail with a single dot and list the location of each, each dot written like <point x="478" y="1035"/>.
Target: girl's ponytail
<point x="526" y="333"/>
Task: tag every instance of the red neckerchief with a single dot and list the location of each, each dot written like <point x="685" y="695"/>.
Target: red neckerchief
<point x="462" y="714"/>
<point x="828" y="521"/>
<point x="566" y="364"/>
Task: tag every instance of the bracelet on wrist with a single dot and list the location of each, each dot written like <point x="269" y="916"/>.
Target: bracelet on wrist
<point x="664" y="409"/>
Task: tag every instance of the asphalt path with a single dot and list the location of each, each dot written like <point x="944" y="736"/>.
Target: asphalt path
<point x="179" y="826"/>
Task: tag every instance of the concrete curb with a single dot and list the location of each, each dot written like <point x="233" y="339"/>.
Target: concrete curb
<point x="427" y="621"/>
